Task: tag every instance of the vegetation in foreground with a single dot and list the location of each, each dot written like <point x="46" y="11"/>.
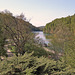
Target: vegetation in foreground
<point x="27" y="64"/>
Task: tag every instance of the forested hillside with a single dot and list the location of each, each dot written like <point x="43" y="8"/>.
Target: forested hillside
<point x="7" y="17"/>
<point x="57" y="24"/>
<point x="63" y="39"/>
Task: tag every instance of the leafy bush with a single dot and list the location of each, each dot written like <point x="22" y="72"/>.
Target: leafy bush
<point x="25" y="65"/>
<point x="38" y="51"/>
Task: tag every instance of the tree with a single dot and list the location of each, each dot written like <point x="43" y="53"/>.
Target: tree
<point x="19" y="33"/>
<point x="22" y="17"/>
<point x="7" y="12"/>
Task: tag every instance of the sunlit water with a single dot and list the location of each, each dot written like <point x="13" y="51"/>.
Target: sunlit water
<point x="42" y="36"/>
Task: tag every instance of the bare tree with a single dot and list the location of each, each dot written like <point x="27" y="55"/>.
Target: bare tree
<point x="7" y="12"/>
<point x="19" y="33"/>
<point x="22" y="16"/>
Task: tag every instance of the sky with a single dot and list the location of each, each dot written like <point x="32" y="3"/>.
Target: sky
<point x="40" y="12"/>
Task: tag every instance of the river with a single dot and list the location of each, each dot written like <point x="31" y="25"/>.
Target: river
<point x="43" y="40"/>
<point x="40" y="35"/>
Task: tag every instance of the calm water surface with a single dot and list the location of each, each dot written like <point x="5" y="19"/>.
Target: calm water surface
<point x="42" y="36"/>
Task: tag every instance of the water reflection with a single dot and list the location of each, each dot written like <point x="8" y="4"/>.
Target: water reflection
<point x="42" y="36"/>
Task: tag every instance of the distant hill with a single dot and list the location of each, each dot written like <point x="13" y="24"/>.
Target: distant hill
<point x="41" y="28"/>
<point x="33" y="28"/>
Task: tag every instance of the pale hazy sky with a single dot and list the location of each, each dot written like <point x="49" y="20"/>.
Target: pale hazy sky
<point x="40" y="11"/>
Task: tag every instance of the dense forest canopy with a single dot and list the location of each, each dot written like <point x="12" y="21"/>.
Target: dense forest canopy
<point x="68" y="22"/>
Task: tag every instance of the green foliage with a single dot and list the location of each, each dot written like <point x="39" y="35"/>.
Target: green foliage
<point x="26" y="65"/>
<point x="70" y="53"/>
<point x="17" y="29"/>
<point x="30" y="65"/>
<point x="63" y="68"/>
<point x="30" y="47"/>
<point x="37" y="62"/>
<point x="12" y="48"/>
<point x="63" y="38"/>
<point x="38" y="51"/>
<point x="53" y="26"/>
<point x="2" y="43"/>
<point x="6" y="18"/>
